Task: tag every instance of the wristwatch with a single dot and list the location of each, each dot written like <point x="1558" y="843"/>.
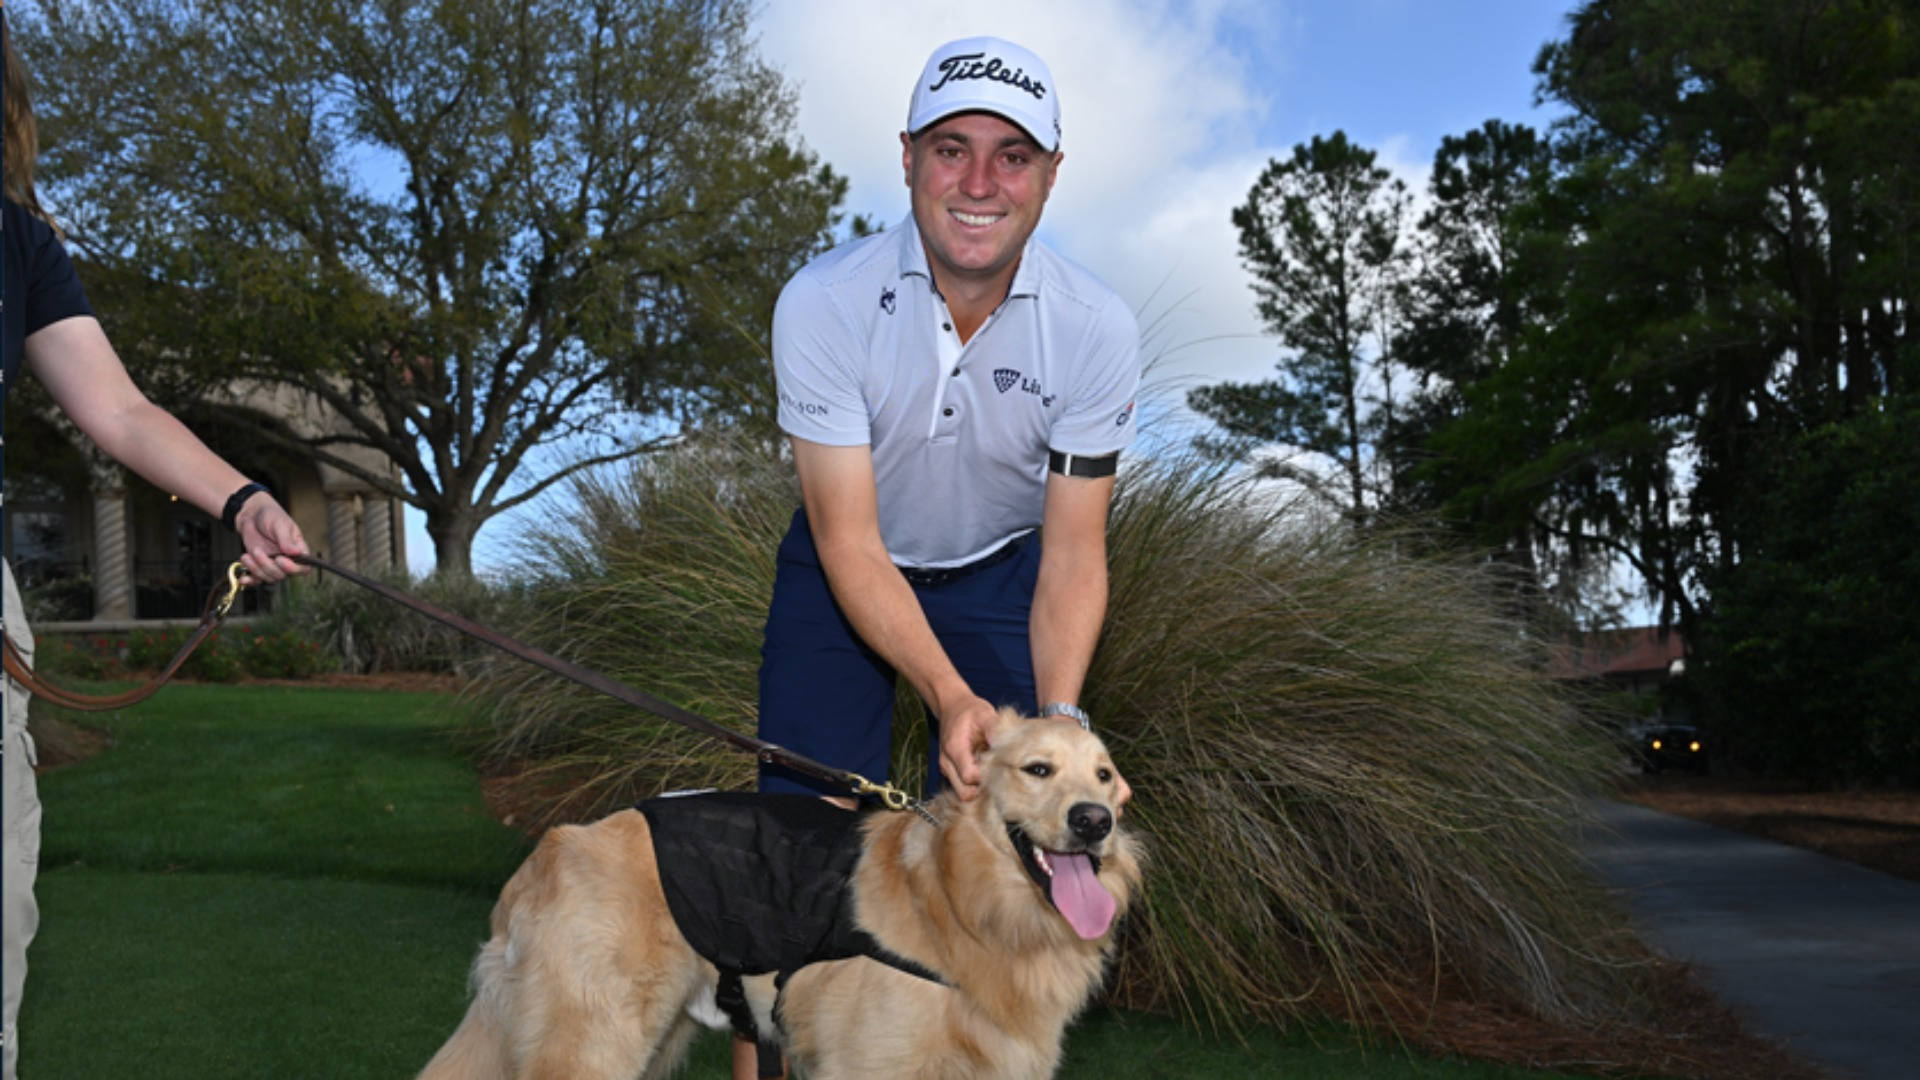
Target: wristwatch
<point x="1075" y="712"/>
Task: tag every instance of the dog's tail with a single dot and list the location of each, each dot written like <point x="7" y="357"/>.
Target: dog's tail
<point x="478" y="1048"/>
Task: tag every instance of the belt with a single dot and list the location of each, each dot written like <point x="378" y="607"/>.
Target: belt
<point x="924" y="577"/>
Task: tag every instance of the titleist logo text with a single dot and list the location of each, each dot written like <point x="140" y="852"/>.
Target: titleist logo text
<point x="970" y="66"/>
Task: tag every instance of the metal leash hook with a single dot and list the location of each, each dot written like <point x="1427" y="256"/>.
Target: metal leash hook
<point x="233" y="590"/>
<point x="891" y="797"/>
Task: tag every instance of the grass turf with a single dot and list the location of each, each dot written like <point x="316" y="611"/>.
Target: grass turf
<point x="268" y="881"/>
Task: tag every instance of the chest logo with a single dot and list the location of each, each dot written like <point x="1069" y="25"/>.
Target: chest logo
<point x="1004" y="378"/>
<point x="886" y="299"/>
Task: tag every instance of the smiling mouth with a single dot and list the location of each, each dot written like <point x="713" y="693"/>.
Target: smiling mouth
<point x="1071" y="882"/>
<point x="975" y="220"/>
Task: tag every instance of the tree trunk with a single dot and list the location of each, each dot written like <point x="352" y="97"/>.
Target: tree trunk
<point x="452" y="534"/>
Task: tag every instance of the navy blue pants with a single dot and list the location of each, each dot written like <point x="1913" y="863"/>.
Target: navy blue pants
<point x="826" y="695"/>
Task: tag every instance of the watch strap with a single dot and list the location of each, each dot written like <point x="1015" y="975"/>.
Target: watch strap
<point x="1072" y="712"/>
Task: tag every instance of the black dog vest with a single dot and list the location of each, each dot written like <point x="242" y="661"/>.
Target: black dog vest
<point x="759" y="884"/>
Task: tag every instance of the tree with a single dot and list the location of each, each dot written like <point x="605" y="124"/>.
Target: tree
<point x="1730" y="235"/>
<point x="1321" y="234"/>
<point x="474" y="230"/>
<point x="1812" y="643"/>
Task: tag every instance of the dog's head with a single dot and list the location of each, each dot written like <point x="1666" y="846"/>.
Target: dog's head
<point x="1052" y="788"/>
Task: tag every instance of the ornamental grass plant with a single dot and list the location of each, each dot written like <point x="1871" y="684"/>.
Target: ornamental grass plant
<point x="1357" y="788"/>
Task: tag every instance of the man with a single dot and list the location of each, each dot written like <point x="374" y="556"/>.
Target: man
<point x="949" y="386"/>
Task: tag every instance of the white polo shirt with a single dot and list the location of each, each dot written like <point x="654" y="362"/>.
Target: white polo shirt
<point x="864" y="352"/>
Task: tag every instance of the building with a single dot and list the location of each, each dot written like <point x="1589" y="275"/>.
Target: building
<point x="95" y="547"/>
<point x="1636" y="660"/>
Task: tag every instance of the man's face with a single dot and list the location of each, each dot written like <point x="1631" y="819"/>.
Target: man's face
<point x="978" y="183"/>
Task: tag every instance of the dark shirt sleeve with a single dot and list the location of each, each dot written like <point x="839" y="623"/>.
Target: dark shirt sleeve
<point x="41" y="287"/>
<point x="53" y="289"/>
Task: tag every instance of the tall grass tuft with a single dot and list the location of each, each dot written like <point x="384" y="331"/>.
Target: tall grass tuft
<point x="369" y="634"/>
<point x="1355" y="783"/>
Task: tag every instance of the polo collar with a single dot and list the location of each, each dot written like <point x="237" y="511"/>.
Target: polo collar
<point x="913" y="261"/>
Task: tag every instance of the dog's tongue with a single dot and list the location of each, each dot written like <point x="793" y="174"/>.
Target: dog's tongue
<point x="1079" y="895"/>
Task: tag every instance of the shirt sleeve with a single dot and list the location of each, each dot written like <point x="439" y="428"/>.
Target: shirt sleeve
<point x="53" y="289"/>
<point x="1098" y="419"/>
<point x="816" y="368"/>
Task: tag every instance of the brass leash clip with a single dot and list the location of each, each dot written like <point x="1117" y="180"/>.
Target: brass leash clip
<point x="233" y="590"/>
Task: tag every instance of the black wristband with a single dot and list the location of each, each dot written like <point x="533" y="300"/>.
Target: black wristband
<point x="235" y="501"/>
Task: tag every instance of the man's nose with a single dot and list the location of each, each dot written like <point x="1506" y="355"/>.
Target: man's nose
<point x="978" y="182"/>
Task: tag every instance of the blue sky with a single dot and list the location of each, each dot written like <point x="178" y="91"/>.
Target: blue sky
<point x="1169" y="111"/>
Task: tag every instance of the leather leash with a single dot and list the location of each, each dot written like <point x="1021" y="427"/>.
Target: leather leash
<point x="218" y="605"/>
<point x="219" y="602"/>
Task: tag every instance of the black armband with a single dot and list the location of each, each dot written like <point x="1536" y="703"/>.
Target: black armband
<point x="1081" y="465"/>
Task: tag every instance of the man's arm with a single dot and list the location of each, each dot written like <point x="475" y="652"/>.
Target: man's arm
<point x="79" y="368"/>
<point x="837" y="485"/>
<point x="1070" y="597"/>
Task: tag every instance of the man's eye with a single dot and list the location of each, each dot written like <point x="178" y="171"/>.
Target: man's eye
<point x="1040" y="769"/>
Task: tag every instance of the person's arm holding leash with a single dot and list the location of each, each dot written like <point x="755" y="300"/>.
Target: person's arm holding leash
<point x="79" y="368"/>
<point x="837" y="485"/>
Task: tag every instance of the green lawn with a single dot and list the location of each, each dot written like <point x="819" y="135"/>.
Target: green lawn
<point x="269" y="882"/>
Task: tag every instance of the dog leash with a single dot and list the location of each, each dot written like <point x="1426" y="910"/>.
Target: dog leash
<point x="220" y="601"/>
<point x="212" y="614"/>
<point x="768" y="753"/>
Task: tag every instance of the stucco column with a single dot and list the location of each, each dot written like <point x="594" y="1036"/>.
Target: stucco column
<point x="379" y="549"/>
<point x="343" y="534"/>
<point x="112" y="560"/>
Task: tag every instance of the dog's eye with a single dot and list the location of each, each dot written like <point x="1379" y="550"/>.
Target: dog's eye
<point x="1040" y="769"/>
<point x="1104" y="774"/>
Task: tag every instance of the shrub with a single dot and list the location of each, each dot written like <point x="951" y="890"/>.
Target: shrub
<point x="75" y="657"/>
<point x="267" y="652"/>
<point x="1350" y="771"/>
<point x="360" y="631"/>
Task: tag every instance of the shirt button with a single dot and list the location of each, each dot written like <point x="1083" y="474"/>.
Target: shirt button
<point x="946" y="326"/>
<point x="948" y="411"/>
<point x="956" y="373"/>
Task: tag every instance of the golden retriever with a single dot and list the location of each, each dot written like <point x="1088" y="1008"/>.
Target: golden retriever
<point x="1012" y="898"/>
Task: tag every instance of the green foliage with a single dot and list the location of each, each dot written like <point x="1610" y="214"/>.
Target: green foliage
<point x="1814" y="663"/>
<point x="1349" y="771"/>
<point x="1321" y="234"/>
<point x="1730" y="238"/>
<point x="261" y="650"/>
<point x="358" y="630"/>
<point x="469" y="230"/>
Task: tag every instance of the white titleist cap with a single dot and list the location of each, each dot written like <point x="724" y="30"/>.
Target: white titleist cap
<point x="986" y="74"/>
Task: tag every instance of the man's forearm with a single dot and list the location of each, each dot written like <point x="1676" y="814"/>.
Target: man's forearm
<point x="887" y="616"/>
<point x="1069" y="606"/>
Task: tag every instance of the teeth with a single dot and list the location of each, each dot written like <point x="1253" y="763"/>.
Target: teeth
<point x="1040" y="857"/>
<point x="976" y="219"/>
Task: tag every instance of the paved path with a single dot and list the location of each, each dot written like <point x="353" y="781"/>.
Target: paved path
<point x="1821" y="953"/>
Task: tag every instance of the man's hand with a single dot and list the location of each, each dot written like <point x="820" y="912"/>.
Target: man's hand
<point x="269" y="533"/>
<point x="965" y="731"/>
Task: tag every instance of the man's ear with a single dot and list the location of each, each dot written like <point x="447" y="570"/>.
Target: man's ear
<point x="906" y="156"/>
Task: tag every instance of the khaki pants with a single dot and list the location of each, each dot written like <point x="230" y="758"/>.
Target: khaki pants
<point x="22" y="848"/>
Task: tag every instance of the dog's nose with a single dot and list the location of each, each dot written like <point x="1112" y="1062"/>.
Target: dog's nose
<point x="1090" y="822"/>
